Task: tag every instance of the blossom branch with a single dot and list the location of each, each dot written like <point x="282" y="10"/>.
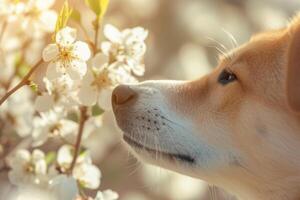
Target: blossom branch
<point x="96" y="26"/>
<point x="83" y="118"/>
<point x="86" y="35"/>
<point x="3" y="30"/>
<point x="24" y="81"/>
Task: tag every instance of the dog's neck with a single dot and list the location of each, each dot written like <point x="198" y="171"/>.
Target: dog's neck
<point x="279" y="180"/>
<point x="285" y="189"/>
<point x="253" y="186"/>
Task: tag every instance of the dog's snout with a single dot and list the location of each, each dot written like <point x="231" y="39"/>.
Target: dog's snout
<point x="123" y="94"/>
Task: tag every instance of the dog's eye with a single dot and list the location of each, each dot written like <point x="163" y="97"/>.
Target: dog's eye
<point x="226" y="77"/>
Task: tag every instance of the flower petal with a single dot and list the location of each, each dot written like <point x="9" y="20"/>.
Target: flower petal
<point x="110" y="195"/>
<point x="81" y="50"/>
<point x="14" y="177"/>
<point x="44" y="103"/>
<point x="22" y="157"/>
<point x="77" y="69"/>
<point x="64" y="187"/>
<point x="87" y="174"/>
<point x="99" y="60"/>
<point x="48" y="20"/>
<point x="39" y="136"/>
<point x="88" y="95"/>
<point x="106" y="47"/>
<point x="104" y="100"/>
<point x="68" y="130"/>
<point x="112" y="33"/>
<point x="44" y="4"/>
<point x="140" y="33"/>
<point x="52" y="71"/>
<point x="139" y="69"/>
<point x="50" y="52"/>
<point x="88" y="78"/>
<point x="65" y="156"/>
<point x="99" y="196"/>
<point x="66" y="36"/>
<point x="38" y="159"/>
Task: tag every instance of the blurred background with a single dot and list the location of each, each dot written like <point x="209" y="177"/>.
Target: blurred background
<point x="184" y="38"/>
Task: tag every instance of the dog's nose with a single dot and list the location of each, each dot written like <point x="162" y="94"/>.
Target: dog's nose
<point x="123" y="94"/>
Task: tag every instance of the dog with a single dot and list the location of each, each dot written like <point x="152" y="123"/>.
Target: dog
<point x="237" y="127"/>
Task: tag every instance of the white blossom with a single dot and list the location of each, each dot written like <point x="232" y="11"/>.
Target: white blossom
<point x="51" y="124"/>
<point x="126" y="47"/>
<point x="125" y="51"/>
<point x="98" y="83"/>
<point x="16" y="113"/>
<point x="60" y="93"/>
<point x="97" y="86"/>
<point x="39" y="18"/>
<point x="11" y="11"/>
<point x="87" y="174"/>
<point x="27" y="168"/>
<point x="33" y="15"/>
<point x="106" y="195"/>
<point x="66" y="55"/>
<point x="63" y="187"/>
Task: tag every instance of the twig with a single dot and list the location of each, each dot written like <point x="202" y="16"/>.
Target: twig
<point x="3" y="30"/>
<point x="24" y="81"/>
<point x="81" y="192"/>
<point x="7" y="84"/>
<point x="85" y="33"/>
<point x="96" y="26"/>
<point x="83" y="118"/>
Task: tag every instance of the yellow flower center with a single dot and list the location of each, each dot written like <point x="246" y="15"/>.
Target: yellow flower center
<point x="102" y="79"/>
<point x="29" y="168"/>
<point x="66" y="53"/>
<point x="55" y="129"/>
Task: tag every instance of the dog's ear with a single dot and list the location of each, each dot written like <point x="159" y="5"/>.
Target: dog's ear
<point x="293" y="70"/>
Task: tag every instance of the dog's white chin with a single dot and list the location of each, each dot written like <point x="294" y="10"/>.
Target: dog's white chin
<point x="159" y="135"/>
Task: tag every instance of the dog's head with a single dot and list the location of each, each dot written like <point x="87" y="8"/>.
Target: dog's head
<point x="237" y="127"/>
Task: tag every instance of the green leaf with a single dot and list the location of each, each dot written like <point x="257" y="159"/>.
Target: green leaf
<point x="96" y="111"/>
<point x="103" y="6"/>
<point x="94" y="5"/>
<point x="63" y="16"/>
<point x="83" y="151"/>
<point x="50" y="157"/>
<point x="33" y="86"/>
<point x="73" y="116"/>
<point x="22" y="68"/>
<point x="76" y="16"/>
<point x="99" y="7"/>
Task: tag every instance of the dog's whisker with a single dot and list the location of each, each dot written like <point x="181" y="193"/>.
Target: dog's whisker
<point x="137" y="166"/>
<point x="225" y="49"/>
<point x="221" y="52"/>
<point x="173" y="141"/>
<point x="131" y="165"/>
<point x="233" y="41"/>
<point x="212" y="192"/>
<point x="156" y="146"/>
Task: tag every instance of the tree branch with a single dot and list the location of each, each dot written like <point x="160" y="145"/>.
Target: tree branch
<point x="96" y="27"/>
<point x="24" y="81"/>
<point x="3" y="30"/>
<point x="83" y="118"/>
